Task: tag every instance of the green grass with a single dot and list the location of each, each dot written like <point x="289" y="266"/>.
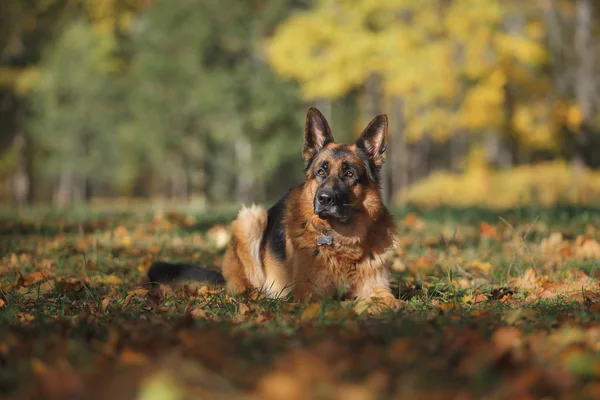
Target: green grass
<point x="490" y="310"/>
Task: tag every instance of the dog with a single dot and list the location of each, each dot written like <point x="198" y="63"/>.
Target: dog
<point x="330" y="233"/>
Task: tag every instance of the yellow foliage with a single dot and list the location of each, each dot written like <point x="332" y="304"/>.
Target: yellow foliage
<point x="107" y="14"/>
<point x="521" y="48"/>
<point x="545" y="184"/>
<point x="449" y="60"/>
<point x="535" y="125"/>
<point x="574" y="117"/>
<point x="482" y="108"/>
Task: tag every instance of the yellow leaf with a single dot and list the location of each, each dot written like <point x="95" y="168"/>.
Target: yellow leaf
<point x="107" y="280"/>
<point x="483" y="266"/>
<point x="311" y="312"/>
<point x="362" y="306"/>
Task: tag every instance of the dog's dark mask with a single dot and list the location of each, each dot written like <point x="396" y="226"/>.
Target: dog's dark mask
<point x="333" y="198"/>
<point x="338" y="168"/>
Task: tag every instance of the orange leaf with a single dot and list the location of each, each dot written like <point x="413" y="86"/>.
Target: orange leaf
<point x="450" y="305"/>
<point x="487" y="230"/>
<point x="130" y="357"/>
<point x="34" y="278"/>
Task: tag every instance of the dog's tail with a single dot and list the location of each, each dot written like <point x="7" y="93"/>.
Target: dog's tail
<point x="163" y="272"/>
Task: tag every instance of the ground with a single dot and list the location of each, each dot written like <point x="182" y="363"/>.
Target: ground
<point x="498" y="304"/>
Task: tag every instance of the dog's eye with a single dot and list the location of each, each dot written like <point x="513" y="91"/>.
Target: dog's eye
<point x="349" y="174"/>
<point x="321" y="172"/>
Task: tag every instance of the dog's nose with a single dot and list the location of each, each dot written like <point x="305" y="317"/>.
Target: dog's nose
<point x="325" y="198"/>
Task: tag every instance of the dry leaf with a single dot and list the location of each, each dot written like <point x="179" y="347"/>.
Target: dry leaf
<point x="311" y="312"/>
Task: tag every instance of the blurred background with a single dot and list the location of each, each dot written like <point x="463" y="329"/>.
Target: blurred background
<point x="491" y="102"/>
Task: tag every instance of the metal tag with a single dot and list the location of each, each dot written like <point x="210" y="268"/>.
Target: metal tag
<point x="324" y="240"/>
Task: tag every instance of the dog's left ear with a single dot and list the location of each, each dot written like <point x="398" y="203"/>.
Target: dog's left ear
<point x="316" y="134"/>
<point x="373" y="140"/>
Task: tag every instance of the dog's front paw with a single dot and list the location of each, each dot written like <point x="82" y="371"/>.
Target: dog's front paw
<point x="378" y="303"/>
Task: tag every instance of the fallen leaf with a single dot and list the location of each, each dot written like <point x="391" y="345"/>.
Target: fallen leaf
<point x="25" y="317"/>
<point x="105" y="303"/>
<point x="484" y="267"/>
<point x="311" y="312"/>
<point x="518" y="314"/>
<point x="243" y="309"/>
<point x="154" y="296"/>
<point x="130" y="357"/>
<point x="487" y="231"/>
<point x="586" y="248"/>
<point x="198" y="312"/>
<point x="449" y="305"/>
<point x="35" y="277"/>
<point x="107" y="279"/>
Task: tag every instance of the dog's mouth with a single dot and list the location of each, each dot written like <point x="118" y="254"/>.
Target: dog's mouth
<point x="333" y="213"/>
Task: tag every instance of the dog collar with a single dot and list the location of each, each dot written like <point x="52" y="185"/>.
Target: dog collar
<point x="325" y="239"/>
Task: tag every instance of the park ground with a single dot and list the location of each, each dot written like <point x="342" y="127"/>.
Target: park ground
<point x="499" y="304"/>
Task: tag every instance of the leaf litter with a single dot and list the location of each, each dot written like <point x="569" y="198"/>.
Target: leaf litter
<point x="492" y="309"/>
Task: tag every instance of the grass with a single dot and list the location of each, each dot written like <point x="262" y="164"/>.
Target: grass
<point x="498" y="304"/>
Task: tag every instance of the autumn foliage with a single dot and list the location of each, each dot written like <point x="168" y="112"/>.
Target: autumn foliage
<point x="495" y="304"/>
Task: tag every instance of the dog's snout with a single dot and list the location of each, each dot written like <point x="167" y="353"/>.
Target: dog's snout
<point x="326" y="198"/>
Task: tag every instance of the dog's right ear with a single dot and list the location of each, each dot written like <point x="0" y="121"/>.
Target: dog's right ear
<point x="316" y="134"/>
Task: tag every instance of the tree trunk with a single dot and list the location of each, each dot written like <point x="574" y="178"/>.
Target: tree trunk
<point x="28" y="153"/>
<point x="179" y="180"/>
<point x="459" y="147"/>
<point x="245" y="173"/>
<point x="396" y="170"/>
<point x="585" y="82"/>
<point x="20" y="179"/>
<point x="509" y="151"/>
<point x="62" y="194"/>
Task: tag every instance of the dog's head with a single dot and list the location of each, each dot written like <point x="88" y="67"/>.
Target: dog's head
<point x="342" y="176"/>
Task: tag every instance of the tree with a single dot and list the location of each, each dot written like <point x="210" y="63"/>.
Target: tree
<point x="455" y="66"/>
<point x="74" y="121"/>
<point x="204" y="85"/>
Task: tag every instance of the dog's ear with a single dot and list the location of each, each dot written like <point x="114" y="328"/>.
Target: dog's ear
<point x="373" y="140"/>
<point x="316" y="134"/>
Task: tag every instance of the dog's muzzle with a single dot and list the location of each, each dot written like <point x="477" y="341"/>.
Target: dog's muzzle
<point x="326" y="204"/>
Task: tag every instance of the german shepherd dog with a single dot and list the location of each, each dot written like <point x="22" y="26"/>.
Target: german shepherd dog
<point x="330" y="232"/>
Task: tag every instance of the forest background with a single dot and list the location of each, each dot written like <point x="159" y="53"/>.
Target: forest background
<point x="491" y="102"/>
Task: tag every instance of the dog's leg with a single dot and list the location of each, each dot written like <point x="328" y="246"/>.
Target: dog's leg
<point x="376" y="294"/>
<point x="233" y="271"/>
<point x="242" y="265"/>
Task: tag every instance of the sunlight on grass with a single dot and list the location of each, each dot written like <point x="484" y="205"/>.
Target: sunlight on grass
<point x="485" y="292"/>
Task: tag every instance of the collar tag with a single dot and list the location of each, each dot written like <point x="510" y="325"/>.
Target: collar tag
<point x="324" y="240"/>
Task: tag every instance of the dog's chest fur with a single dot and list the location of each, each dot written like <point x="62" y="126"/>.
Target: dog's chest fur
<point x="345" y="263"/>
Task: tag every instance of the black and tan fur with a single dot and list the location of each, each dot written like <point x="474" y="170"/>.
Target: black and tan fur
<point x="277" y="250"/>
